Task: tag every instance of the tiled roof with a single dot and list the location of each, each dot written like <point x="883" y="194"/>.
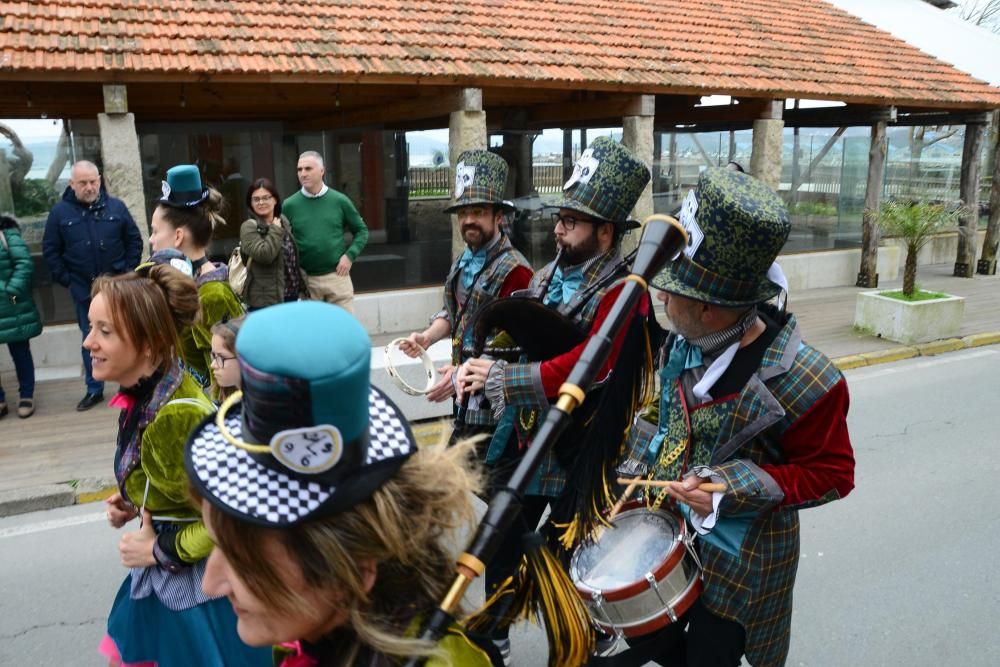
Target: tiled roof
<point x="777" y="48"/>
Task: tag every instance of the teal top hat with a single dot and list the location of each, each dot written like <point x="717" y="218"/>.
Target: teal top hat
<point x="311" y="437"/>
<point x="606" y="183"/>
<point x="736" y="227"/>
<point x="183" y="188"/>
<point x="480" y="178"/>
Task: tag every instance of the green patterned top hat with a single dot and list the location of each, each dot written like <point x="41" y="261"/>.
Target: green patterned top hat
<point x="736" y="227"/>
<point x="310" y="436"/>
<point x="606" y="183"/>
<point x="183" y="188"/>
<point x="480" y="178"/>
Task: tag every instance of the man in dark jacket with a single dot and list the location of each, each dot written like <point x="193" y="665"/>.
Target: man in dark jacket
<point x="89" y="233"/>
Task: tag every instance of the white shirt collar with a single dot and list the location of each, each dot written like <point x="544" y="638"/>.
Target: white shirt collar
<point x="322" y="191"/>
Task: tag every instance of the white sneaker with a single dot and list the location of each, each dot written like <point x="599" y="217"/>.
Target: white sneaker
<point x="503" y="645"/>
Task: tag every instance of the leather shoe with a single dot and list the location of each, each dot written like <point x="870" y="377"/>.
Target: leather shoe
<point x="89" y="401"/>
<point x="25" y="408"/>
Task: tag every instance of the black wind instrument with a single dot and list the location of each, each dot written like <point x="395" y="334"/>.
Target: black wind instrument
<point x="663" y="238"/>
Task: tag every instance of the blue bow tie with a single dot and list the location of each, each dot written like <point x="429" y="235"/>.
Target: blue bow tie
<point x="683" y="355"/>
<point x="470" y="264"/>
<point x="563" y="287"/>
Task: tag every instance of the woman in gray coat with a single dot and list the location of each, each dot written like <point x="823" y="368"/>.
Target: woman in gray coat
<point x="19" y="320"/>
<point x="269" y="251"/>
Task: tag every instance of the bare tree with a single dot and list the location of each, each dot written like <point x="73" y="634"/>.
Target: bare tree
<point x="984" y="13"/>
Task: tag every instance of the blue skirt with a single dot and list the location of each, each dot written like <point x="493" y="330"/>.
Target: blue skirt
<point x="144" y="630"/>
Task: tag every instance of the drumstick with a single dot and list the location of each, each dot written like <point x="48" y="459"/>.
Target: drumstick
<point x="707" y="486"/>
<point x="629" y="490"/>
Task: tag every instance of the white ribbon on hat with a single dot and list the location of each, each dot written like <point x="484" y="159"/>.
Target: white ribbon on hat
<point x="465" y="175"/>
<point x="777" y="276"/>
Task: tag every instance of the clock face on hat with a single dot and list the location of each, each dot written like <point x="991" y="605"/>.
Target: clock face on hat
<point x="309" y="450"/>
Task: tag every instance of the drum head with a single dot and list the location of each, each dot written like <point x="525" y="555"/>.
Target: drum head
<point x="638" y="542"/>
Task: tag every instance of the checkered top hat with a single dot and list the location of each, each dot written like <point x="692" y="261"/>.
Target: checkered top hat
<point x="480" y="178"/>
<point x="736" y="227"/>
<point x="183" y="188"/>
<point x="606" y="183"/>
<point x="311" y="437"/>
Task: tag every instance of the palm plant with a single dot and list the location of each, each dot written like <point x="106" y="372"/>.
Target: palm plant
<point x="915" y="223"/>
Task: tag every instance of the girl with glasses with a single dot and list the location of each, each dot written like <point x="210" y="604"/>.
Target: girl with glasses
<point x="225" y="367"/>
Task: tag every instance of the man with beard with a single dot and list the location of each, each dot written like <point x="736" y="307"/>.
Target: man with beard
<point x="489" y="269"/>
<point x="592" y="218"/>
<point x="744" y="403"/>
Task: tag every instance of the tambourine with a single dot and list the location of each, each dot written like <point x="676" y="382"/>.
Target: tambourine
<point x="398" y="380"/>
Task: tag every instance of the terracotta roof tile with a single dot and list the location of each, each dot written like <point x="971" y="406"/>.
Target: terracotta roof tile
<point x="734" y="46"/>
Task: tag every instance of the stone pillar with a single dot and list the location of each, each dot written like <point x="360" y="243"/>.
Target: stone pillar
<point x="987" y="265"/>
<point x="122" y="174"/>
<point x="968" y="225"/>
<point x="637" y="136"/>
<point x="466" y="131"/>
<point x="765" y="160"/>
<point x="868" y="271"/>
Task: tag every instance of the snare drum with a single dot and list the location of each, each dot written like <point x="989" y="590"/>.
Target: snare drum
<point x="640" y="575"/>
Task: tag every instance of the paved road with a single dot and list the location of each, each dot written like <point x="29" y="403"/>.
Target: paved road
<point x="903" y="572"/>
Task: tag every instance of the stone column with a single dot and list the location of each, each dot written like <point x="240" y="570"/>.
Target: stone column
<point x="466" y="131"/>
<point x="867" y="272"/>
<point x="637" y="136"/>
<point x="968" y="226"/>
<point x="122" y="174"/>
<point x="765" y="160"/>
<point x="987" y="265"/>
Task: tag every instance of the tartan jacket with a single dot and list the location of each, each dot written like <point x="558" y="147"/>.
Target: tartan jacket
<point x="505" y="271"/>
<point x="782" y="446"/>
<point x="530" y="386"/>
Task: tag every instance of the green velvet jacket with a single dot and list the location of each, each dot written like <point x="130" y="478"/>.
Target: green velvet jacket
<point x="217" y="301"/>
<point x="178" y="404"/>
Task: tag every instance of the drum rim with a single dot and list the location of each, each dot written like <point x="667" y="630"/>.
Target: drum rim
<point x="627" y="591"/>
<point x="661" y="619"/>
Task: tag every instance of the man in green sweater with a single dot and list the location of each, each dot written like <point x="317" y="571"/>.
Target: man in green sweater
<point x="318" y="215"/>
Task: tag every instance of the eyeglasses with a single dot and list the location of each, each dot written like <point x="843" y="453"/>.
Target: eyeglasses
<point x="219" y="360"/>
<point x="261" y="200"/>
<point x="568" y="221"/>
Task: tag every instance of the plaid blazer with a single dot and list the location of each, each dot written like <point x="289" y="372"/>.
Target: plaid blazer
<point x="522" y="382"/>
<point x="754" y="588"/>
<point x="500" y="261"/>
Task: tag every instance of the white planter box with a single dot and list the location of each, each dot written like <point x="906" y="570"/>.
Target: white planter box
<point x="909" y="322"/>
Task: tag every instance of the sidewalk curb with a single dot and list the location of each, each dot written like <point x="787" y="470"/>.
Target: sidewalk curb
<point x="51" y="496"/>
<point x="919" y="350"/>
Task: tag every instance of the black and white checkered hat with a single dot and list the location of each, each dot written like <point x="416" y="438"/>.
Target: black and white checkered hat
<point x="322" y="456"/>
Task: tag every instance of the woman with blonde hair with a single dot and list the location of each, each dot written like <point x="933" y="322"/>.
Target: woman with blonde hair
<point x="160" y="615"/>
<point x="184" y="220"/>
<point x="333" y="532"/>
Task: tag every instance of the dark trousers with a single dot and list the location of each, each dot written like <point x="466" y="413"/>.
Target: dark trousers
<point x="707" y="641"/>
<point x="24" y="366"/>
<point x="83" y="319"/>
